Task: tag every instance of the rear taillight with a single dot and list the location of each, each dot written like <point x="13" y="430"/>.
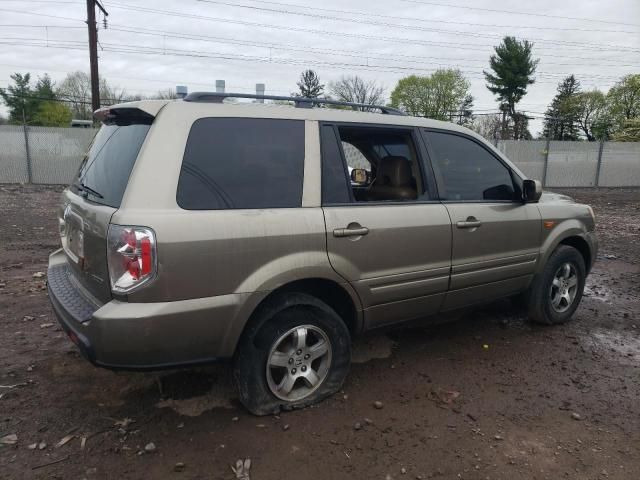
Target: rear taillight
<point x="131" y="253"/>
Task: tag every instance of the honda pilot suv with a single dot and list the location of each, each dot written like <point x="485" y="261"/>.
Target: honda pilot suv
<point x="198" y="230"/>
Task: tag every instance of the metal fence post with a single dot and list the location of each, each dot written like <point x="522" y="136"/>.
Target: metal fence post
<point x="546" y="162"/>
<point x="599" y="166"/>
<point x="26" y="148"/>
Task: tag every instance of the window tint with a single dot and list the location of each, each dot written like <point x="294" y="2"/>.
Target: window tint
<point x="334" y="181"/>
<point x="105" y="170"/>
<point x="242" y="163"/>
<point x="467" y="171"/>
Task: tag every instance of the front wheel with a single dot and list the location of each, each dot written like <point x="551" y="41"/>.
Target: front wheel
<point x="296" y="353"/>
<point x="556" y="293"/>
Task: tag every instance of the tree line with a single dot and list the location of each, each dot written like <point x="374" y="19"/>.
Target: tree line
<point x="573" y="114"/>
<point x="594" y="115"/>
<point x="43" y="103"/>
<point x="445" y="95"/>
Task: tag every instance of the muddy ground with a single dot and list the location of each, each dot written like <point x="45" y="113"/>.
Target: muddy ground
<point x="487" y="397"/>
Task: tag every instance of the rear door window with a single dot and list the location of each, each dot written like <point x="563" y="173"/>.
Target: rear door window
<point x="250" y="163"/>
<point x="105" y="170"/>
<point x="374" y="164"/>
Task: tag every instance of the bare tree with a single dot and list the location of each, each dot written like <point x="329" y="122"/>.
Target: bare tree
<point x="354" y="89"/>
<point x="489" y="126"/>
<point x="75" y="90"/>
<point x="168" y="94"/>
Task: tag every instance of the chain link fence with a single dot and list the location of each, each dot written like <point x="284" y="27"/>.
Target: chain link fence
<point x="47" y="155"/>
<point x="44" y="155"/>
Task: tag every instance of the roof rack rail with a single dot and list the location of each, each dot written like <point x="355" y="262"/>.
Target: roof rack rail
<point x="300" y="102"/>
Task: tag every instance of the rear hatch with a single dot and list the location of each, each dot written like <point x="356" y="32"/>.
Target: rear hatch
<point x="96" y="193"/>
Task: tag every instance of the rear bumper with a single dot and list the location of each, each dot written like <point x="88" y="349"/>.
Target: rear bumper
<point x="144" y="336"/>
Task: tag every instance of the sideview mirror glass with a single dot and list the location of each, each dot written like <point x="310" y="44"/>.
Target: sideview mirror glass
<point x="359" y="175"/>
<point x="531" y="190"/>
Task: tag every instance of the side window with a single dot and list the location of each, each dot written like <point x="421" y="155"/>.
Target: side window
<point x="468" y="172"/>
<point x="377" y="165"/>
<point x="335" y="185"/>
<point x="242" y="163"/>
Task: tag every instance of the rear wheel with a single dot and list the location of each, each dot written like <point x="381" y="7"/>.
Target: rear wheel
<point x="295" y="353"/>
<point x="557" y="292"/>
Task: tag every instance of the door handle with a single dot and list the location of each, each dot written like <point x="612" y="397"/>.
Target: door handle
<point x="470" y="222"/>
<point x="350" y="232"/>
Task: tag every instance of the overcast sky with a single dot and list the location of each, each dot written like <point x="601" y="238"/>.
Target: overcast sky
<point x="155" y="45"/>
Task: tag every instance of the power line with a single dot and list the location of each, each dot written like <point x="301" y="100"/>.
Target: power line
<point x="424" y="20"/>
<point x="469" y="70"/>
<point x="21" y="12"/>
<point x="52" y="2"/>
<point x="153" y="80"/>
<point x="513" y="12"/>
<point x="121" y="48"/>
<point x="288" y="47"/>
<point x="22" y="25"/>
<point x="468" y="46"/>
<point x="126" y="49"/>
<point x="58" y="98"/>
<point x="80" y="101"/>
<point x="589" y="46"/>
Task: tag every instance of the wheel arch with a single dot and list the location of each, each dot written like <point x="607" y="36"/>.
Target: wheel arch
<point x="339" y="296"/>
<point x="571" y="235"/>
<point x="582" y="246"/>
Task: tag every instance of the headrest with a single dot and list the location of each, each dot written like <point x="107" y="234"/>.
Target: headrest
<point x="394" y="171"/>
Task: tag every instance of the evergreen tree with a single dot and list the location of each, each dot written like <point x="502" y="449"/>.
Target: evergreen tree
<point x="44" y="88"/>
<point x="465" y="116"/>
<point x="512" y="68"/>
<point x="19" y="99"/>
<point x="309" y="85"/>
<point x="562" y="118"/>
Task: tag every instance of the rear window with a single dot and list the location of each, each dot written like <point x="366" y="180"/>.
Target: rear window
<point x="232" y="163"/>
<point x="104" y="171"/>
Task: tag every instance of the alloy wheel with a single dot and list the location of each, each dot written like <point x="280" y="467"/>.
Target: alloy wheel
<point x="298" y="362"/>
<point x="564" y="288"/>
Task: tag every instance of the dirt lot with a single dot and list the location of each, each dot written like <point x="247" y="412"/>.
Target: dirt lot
<point x="486" y="397"/>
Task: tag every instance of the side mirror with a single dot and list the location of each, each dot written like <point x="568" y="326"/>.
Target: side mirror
<point x="531" y="191"/>
<point x="359" y="175"/>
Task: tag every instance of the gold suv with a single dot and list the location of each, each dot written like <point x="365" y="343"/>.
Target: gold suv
<point x="198" y="230"/>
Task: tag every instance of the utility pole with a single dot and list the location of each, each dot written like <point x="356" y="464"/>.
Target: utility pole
<point x="93" y="51"/>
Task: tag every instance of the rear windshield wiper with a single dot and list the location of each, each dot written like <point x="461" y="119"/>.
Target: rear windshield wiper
<point x="83" y="188"/>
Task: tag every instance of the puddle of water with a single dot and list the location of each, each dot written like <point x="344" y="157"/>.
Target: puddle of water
<point x="370" y="348"/>
<point x="600" y="293"/>
<point x="626" y="344"/>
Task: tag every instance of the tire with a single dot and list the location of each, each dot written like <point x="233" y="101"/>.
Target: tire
<point x="552" y="303"/>
<point x="271" y="337"/>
